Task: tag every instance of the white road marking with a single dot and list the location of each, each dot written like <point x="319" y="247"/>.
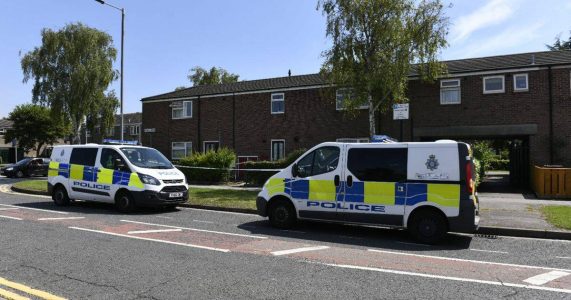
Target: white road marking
<point x="413" y="244"/>
<point x="37" y="209"/>
<point x="563" y="257"/>
<point x="298" y="250"/>
<point x="8" y="208"/>
<point x="152" y="240"/>
<point x="546" y="277"/>
<point x="63" y="218"/>
<point x="498" y="283"/>
<point x="468" y="260"/>
<point x="200" y="221"/>
<point x="491" y="251"/>
<point x="217" y="211"/>
<point x="154" y="231"/>
<point x="5" y="188"/>
<point x="11" y="218"/>
<point x="196" y="229"/>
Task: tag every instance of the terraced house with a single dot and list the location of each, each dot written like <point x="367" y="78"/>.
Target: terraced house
<point x="524" y="98"/>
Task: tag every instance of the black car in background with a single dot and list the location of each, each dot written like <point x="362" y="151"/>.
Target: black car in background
<point x="29" y="166"/>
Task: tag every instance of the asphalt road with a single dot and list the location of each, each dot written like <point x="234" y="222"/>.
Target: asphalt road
<point x="89" y="251"/>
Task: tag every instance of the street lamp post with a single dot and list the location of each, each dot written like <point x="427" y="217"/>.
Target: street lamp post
<point x="122" y="43"/>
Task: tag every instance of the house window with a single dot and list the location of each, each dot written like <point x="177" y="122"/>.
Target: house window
<point x="278" y="103"/>
<point x="181" y="150"/>
<point x="135" y="130"/>
<point x="494" y="84"/>
<point x="211" y="146"/>
<point x="342" y="95"/>
<point x="278" y="149"/>
<point x="182" y="110"/>
<point x="450" y="91"/>
<point x="521" y="82"/>
<point x="2" y="130"/>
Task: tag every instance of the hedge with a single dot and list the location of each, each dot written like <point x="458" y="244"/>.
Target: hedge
<point x="260" y="177"/>
<point x="499" y="164"/>
<point x="224" y="158"/>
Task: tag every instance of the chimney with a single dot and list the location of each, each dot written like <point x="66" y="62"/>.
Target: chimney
<point x="533" y="59"/>
<point x="289" y="73"/>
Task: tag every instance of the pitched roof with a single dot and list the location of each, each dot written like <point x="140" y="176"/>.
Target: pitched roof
<point x="490" y="63"/>
<point x="5" y="123"/>
<point x="130" y="118"/>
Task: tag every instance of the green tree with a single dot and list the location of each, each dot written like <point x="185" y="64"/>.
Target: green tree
<point x="33" y="127"/>
<point x="178" y="88"/>
<point x="560" y="44"/>
<point x="71" y="71"/>
<point x="200" y="76"/>
<point x="375" y="46"/>
<point x="102" y="114"/>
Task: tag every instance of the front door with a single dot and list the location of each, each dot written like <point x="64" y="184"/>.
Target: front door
<point x="376" y="188"/>
<point x="316" y="187"/>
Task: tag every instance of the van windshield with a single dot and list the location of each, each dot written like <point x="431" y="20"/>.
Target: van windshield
<point x="147" y="158"/>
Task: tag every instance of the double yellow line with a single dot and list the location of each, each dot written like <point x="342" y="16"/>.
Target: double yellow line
<point x="23" y="288"/>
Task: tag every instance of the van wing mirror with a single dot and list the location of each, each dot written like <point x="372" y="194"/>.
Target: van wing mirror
<point x="118" y="165"/>
<point x="294" y="170"/>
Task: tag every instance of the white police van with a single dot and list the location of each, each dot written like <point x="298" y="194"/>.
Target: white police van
<point x="427" y="187"/>
<point x="126" y="175"/>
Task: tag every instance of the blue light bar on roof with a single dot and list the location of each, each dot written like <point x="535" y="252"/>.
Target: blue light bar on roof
<point x="119" y="142"/>
<point x="385" y="139"/>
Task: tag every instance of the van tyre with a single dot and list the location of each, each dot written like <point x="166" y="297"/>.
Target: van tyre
<point x="124" y="202"/>
<point x="60" y="196"/>
<point x="282" y="214"/>
<point x="428" y="227"/>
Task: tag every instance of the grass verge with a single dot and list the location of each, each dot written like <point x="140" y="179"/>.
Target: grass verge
<point x="33" y="185"/>
<point x="198" y="196"/>
<point x="558" y="215"/>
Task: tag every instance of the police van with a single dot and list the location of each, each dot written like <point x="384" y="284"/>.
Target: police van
<point x="126" y="175"/>
<point x="426" y="187"/>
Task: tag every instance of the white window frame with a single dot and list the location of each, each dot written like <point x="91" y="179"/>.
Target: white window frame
<point x="272" y="103"/>
<point x="181" y="148"/>
<point x="503" y="90"/>
<point x="204" y="145"/>
<point x="272" y="149"/>
<point x="338" y="107"/>
<point x="2" y="131"/>
<point x="526" y="82"/>
<point x="183" y="108"/>
<point x="449" y="88"/>
<point x="352" y="140"/>
<point x="135" y="129"/>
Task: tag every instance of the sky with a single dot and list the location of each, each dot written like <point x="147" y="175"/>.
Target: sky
<point x="253" y="38"/>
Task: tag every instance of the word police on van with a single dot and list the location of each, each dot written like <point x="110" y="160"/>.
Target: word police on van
<point x="126" y="175"/>
<point x="427" y="188"/>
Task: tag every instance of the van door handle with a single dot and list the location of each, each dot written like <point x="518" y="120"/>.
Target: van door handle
<point x="336" y="180"/>
<point x="349" y="181"/>
<point x="400" y="188"/>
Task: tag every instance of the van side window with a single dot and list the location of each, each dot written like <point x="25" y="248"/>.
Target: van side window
<point x="108" y="157"/>
<point x="83" y="156"/>
<point x="370" y="164"/>
<point x="319" y="161"/>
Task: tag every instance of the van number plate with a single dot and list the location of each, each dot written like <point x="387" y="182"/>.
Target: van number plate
<point x="175" y="195"/>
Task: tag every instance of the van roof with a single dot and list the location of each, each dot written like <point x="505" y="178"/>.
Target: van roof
<point x="97" y="146"/>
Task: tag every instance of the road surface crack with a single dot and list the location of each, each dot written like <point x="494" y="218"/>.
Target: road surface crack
<point x="65" y="276"/>
<point x="514" y="291"/>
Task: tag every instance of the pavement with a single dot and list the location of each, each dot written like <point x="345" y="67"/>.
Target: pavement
<point x="90" y="251"/>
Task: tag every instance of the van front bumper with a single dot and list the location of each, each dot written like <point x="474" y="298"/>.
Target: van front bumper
<point x="161" y="198"/>
<point x="261" y="204"/>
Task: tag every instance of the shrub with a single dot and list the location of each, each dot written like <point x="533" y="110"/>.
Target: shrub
<point x="499" y="164"/>
<point x="224" y="158"/>
<point x="483" y="152"/>
<point x="477" y="171"/>
<point x="258" y="178"/>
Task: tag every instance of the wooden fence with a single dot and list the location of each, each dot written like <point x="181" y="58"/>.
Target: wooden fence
<point x="552" y="182"/>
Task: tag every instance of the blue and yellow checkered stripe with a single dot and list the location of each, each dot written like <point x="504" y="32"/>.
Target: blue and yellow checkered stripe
<point x="380" y="193"/>
<point x="94" y="174"/>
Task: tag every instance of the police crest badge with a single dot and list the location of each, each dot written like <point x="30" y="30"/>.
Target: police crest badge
<point x="432" y="163"/>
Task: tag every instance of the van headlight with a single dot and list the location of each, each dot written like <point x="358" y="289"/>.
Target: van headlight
<point x="147" y="179"/>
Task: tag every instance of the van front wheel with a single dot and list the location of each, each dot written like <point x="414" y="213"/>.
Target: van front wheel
<point x="282" y="214"/>
<point x="428" y="226"/>
<point x="124" y="202"/>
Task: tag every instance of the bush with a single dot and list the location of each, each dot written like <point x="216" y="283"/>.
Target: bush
<point x="224" y="158"/>
<point x="499" y="164"/>
<point x="258" y="178"/>
<point x="477" y="171"/>
<point x="484" y="154"/>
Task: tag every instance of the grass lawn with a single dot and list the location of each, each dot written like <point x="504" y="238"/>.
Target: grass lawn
<point x="34" y="185"/>
<point x="198" y="196"/>
<point x="558" y="215"/>
<point x="223" y="198"/>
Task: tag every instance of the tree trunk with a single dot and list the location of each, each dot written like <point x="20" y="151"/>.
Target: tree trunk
<point x="372" y="127"/>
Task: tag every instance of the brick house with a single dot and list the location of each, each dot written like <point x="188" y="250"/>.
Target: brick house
<point x="524" y="97"/>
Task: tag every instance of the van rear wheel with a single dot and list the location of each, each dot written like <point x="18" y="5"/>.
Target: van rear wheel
<point x="124" y="202"/>
<point x="60" y="196"/>
<point x="428" y="227"/>
<point x="282" y="214"/>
